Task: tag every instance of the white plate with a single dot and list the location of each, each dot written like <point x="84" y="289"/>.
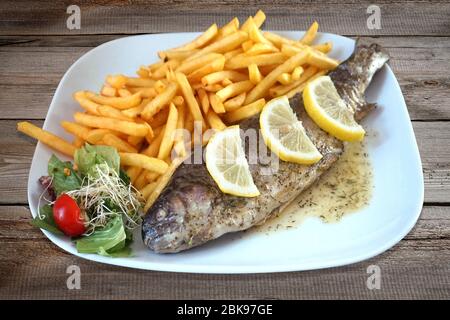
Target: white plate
<point x="393" y="210"/>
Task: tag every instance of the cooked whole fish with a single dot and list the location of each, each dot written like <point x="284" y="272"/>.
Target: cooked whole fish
<point x="192" y="210"/>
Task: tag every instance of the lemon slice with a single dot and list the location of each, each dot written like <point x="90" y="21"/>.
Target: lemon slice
<point x="284" y="134"/>
<point x="226" y="163"/>
<point x="324" y="105"/>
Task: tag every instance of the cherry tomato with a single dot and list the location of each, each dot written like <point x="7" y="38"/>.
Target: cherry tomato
<point x="67" y="216"/>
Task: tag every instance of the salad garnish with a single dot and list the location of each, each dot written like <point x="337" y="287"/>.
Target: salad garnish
<point x="91" y="201"/>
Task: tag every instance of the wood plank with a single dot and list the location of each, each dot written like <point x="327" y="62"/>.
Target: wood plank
<point x="32" y="267"/>
<point x="93" y="40"/>
<point x="16" y="152"/>
<point x="435" y="159"/>
<point x="420" y="64"/>
<point x="346" y="17"/>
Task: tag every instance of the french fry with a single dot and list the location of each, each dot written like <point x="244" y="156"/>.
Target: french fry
<point x="160" y="101"/>
<point x="155" y="66"/>
<point x="246" y="45"/>
<point x="189" y="122"/>
<point x="76" y="129"/>
<point x="135" y="141"/>
<point x="207" y="135"/>
<point x="189" y="97"/>
<point x="197" y="133"/>
<point x="159" y="119"/>
<point x="278" y="40"/>
<point x="158" y="130"/>
<point x="124" y="93"/>
<point x="234" y="89"/>
<point x="146" y="190"/>
<point x="297" y="73"/>
<point x="162" y="182"/>
<point x="213" y="87"/>
<point x="261" y="89"/>
<point x="292" y="50"/>
<point x="201" y="40"/>
<point x="228" y="29"/>
<point x="133" y="173"/>
<point x="204" y="100"/>
<point x="153" y="148"/>
<point x="121" y="145"/>
<point x="95" y="136"/>
<point x="176" y="54"/>
<point x="108" y="91"/>
<point x="167" y="66"/>
<point x="170" y="75"/>
<point x="234" y="103"/>
<point x="323" y="47"/>
<point x="152" y="176"/>
<point x="143" y="72"/>
<point x="225" y="44"/>
<point x="143" y="161"/>
<point x="159" y="86"/>
<point x="219" y="76"/>
<point x="301" y="87"/>
<point x="213" y="66"/>
<point x="196" y="86"/>
<point x="230" y="54"/>
<point x="110" y="112"/>
<point x="169" y="133"/>
<point x="284" y="78"/>
<point x="322" y="61"/>
<point x="258" y="19"/>
<point x="216" y="103"/>
<point x="226" y="82"/>
<point x="78" y="142"/>
<point x="255" y="34"/>
<point x="261" y="48"/>
<point x="245" y="112"/>
<point x="282" y="89"/>
<point x="116" y="102"/>
<point x="191" y="65"/>
<point x="135" y="111"/>
<point x="141" y="180"/>
<point x="254" y="75"/>
<point x="145" y="92"/>
<point x="139" y="82"/>
<point x="46" y="137"/>
<point x="214" y="121"/>
<point x="243" y="61"/>
<point x="150" y="135"/>
<point x="265" y="70"/>
<point x="179" y="135"/>
<point x="117" y="81"/>
<point x="309" y="36"/>
<point x="85" y="103"/>
<point x="127" y="127"/>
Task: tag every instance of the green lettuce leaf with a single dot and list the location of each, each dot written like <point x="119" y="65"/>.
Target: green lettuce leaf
<point x="109" y="239"/>
<point x="89" y="156"/>
<point x="47" y="223"/>
<point x="61" y="181"/>
<point x="124" y="177"/>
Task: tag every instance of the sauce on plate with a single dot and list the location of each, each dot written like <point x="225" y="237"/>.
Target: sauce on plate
<point x="345" y="188"/>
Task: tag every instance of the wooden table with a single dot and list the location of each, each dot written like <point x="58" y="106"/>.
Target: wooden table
<point x="36" y="49"/>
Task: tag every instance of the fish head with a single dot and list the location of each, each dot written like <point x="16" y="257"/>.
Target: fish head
<point x="179" y="219"/>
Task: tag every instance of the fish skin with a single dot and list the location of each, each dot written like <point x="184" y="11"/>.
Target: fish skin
<point x="192" y="210"/>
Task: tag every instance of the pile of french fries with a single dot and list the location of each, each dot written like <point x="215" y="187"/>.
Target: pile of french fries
<point x="222" y="77"/>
